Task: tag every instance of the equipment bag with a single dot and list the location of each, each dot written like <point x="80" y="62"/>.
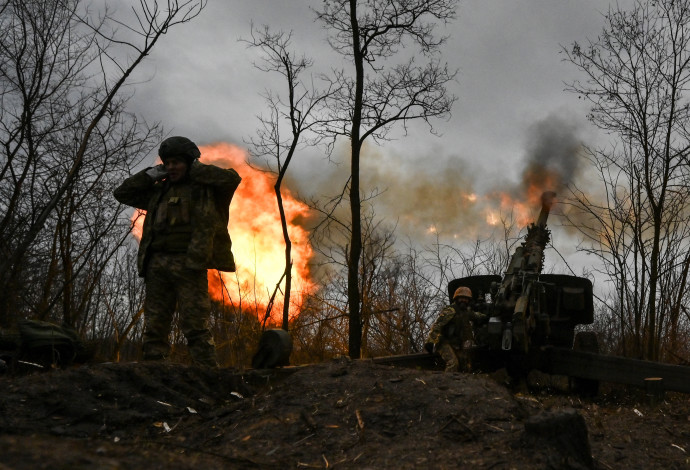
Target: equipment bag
<point x="46" y="341"/>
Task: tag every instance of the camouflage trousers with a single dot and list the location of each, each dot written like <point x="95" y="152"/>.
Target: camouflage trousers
<point x="456" y="359"/>
<point x="171" y="286"/>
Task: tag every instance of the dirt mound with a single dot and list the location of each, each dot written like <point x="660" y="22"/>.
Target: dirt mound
<point x="341" y="414"/>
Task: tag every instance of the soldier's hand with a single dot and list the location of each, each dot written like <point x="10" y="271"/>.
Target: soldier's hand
<point x="157" y="172"/>
<point x="430" y="347"/>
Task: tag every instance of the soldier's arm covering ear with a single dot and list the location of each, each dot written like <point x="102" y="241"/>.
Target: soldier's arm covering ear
<point x="136" y="190"/>
<point x="213" y="175"/>
<point x="157" y="172"/>
<point x="223" y="181"/>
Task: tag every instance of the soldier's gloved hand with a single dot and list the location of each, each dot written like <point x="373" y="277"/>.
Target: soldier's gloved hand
<point x="430" y="347"/>
<point x="157" y="172"/>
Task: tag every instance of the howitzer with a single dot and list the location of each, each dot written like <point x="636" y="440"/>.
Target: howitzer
<point x="517" y="300"/>
<point x="525" y="308"/>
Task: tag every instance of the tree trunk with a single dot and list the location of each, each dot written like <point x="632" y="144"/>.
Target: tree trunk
<point x="288" y="257"/>
<point x="355" y="330"/>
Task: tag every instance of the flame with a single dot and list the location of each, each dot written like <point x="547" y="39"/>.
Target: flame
<point x="518" y="209"/>
<point x="492" y="217"/>
<point x="257" y="238"/>
<point x="536" y="179"/>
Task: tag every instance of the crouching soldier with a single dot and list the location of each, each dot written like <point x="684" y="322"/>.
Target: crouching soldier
<point x="451" y="334"/>
<point x="184" y="234"/>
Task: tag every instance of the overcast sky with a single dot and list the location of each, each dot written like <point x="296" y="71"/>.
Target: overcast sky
<point x="202" y="84"/>
<point x="507" y="52"/>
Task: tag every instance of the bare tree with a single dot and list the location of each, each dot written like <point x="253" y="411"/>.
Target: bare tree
<point x="292" y="123"/>
<point x="120" y="294"/>
<point x="637" y="73"/>
<point x="399" y="293"/>
<point x="63" y="130"/>
<point x="319" y="330"/>
<point x="382" y="92"/>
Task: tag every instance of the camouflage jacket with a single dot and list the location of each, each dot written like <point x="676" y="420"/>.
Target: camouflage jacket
<point x="454" y="325"/>
<point x="212" y="191"/>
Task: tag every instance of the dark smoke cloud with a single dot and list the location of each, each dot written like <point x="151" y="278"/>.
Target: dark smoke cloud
<point x="552" y="153"/>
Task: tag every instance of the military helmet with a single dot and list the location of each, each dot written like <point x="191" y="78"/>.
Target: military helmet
<point x="462" y="291"/>
<point x="178" y="146"/>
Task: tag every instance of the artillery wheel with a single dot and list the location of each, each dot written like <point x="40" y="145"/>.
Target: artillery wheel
<point x="585" y="341"/>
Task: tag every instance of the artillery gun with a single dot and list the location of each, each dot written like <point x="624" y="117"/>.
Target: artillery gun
<point x="526" y="309"/>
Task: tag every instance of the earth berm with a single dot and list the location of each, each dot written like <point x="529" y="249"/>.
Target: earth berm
<point x="342" y="414"/>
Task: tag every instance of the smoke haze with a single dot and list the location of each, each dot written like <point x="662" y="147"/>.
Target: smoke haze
<point x="454" y="196"/>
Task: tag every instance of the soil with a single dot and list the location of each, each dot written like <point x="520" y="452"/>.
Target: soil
<point x="341" y="414"/>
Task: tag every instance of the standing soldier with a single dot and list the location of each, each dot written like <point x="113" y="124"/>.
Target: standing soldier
<point x="452" y="331"/>
<point x="185" y="232"/>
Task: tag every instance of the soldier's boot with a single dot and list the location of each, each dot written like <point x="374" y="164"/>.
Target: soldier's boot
<point x="206" y="359"/>
<point x="155" y="350"/>
<point x="202" y="349"/>
<point x="156" y="346"/>
<point x="448" y="355"/>
<point x="464" y="363"/>
<point x="153" y="357"/>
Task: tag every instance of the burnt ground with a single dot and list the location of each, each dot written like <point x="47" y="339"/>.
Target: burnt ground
<point x="341" y="414"/>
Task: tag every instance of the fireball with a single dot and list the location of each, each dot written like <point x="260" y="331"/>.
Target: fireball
<point x="521" y="202"/>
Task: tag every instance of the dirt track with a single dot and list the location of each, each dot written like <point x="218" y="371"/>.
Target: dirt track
<point x="341" y="414"/>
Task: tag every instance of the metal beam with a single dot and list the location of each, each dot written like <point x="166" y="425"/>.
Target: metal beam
<point x="415" y="360"/>
<point x="560" y="361"/>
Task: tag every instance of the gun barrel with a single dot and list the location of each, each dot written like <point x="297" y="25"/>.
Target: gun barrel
<point x="547" y="200"/>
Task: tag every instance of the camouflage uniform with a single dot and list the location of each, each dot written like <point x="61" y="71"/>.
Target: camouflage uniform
<point x="169" y="283"/>
<point x="451" y="333"/>
<point x="184" y="234"/>
<point x="212" y="189"/>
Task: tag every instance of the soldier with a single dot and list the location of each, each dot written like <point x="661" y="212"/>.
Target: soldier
<point x="184" y="234"/>
<point x="451" y="334"/>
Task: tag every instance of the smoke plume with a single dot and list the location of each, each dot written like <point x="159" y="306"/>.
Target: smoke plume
<point x="453" y="196"/>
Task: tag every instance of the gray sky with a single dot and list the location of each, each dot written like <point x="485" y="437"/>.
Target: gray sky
<point x="202" y="84"/>
<point x="511" y="73"/>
